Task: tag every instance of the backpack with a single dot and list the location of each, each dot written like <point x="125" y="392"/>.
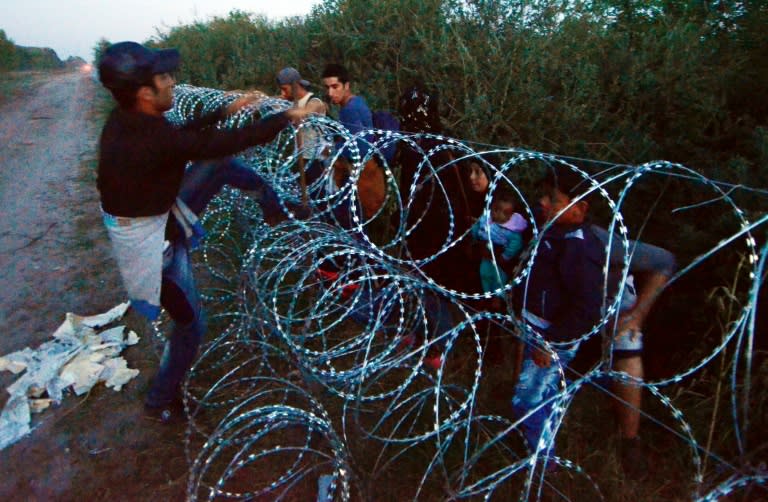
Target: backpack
<point x="386" y="121"/>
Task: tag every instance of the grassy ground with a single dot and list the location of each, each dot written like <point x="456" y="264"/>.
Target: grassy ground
<point x="588" y="437"/>
<point x="17" y="83"/>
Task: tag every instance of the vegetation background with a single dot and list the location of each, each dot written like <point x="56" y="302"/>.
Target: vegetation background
<point x="14" y="57"/>
<point x="616" y="81"/>
<point x="619" y="81"/>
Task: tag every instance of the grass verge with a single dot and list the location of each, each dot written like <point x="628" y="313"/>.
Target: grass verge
<point x="16" y="84"/>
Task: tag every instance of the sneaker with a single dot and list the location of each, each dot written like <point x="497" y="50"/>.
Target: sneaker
<point x="633" y="459"/>
<point x="299" y="211"/>
<point x="406" y="342"/>
<point x="326" y="275"/>
<point x="348" y="289"/>
<point x="434" y="361"/>
<point x="275" y="219"/>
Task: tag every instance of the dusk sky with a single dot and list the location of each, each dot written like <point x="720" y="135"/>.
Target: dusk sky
<point x="72" y="27"/>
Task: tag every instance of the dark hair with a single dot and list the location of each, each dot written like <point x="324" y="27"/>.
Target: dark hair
<point x="504" y="195"/>
<point x="126" y="98"/>
<point x="336" y="70"/>
<point x="418" y="109"/>
<point x="566" y="180"/>
<point x="127" y="66"/>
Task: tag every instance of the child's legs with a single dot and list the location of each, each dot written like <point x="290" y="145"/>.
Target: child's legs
<point x="530" y="391"/>
<point x="534" y="387"/>
<point x="439" y="318"/>
<point x="374" y="305"/>
<point x="491" y="277"/>
<point x="627" y="358"/>
<point x="627" y="350"/>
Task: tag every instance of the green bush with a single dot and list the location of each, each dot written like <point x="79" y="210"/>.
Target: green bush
<point x="620" y="81"/>
<point x="8" y="57"/>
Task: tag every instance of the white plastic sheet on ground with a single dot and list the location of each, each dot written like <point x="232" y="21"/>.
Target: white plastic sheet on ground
<point x="77" y="358"/>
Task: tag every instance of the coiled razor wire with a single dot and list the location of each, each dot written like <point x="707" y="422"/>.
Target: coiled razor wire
<point x="314" y="387"/>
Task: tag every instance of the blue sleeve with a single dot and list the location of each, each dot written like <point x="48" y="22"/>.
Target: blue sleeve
<point x="477" y="229"/>
<point x="473" y="231"/>
<point x="356" y="117"/>
<point x="514" y="245"/>
<point x="643" y="257"/>
<point x="580" y="268"/>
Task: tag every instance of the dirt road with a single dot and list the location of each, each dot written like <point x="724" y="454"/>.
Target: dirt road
<point x="45" y="138"/>
<point x="54" y="258"/>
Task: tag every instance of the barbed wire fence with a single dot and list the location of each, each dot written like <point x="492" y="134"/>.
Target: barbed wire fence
<point x="312" y="386"/>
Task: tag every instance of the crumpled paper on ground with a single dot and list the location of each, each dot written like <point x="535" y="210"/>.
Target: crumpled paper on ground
<point x="77" y="358"/>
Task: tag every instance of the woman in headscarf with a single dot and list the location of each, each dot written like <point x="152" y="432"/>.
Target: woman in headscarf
<point x="431" y="189"/>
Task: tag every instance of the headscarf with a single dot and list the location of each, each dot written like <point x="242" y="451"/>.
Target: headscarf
<point x="418" y="111"/>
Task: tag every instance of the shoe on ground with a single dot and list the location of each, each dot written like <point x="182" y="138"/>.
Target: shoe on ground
<point x="326" y="275"/>
<point x="634" y="461"/>
<point x="434" y="361"/>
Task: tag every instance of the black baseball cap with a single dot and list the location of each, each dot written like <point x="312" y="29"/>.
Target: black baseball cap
<point x="127" y="65"/>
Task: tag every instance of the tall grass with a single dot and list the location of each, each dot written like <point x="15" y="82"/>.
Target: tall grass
<point x="610" y="81"/>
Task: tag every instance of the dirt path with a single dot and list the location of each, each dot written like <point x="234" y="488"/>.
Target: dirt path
<point x="54" y="258"/>
<point x="45" y="137"/>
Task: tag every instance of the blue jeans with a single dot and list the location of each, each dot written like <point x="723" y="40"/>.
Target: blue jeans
<point x="535" y="386"/>
<point x="203" y="180"/>
<point x="179" y="296"/>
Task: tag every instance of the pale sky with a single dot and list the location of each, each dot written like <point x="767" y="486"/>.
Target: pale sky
<point x="72" y="27"/>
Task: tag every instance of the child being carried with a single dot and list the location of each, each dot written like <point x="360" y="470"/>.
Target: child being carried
<point x="501" y="239"/>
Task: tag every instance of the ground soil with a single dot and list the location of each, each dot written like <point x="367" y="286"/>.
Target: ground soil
<point x="55" y="258"/>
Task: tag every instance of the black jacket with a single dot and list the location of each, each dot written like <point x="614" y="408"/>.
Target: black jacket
<point x="142" y="157"/>
<point x="565" y="286"/>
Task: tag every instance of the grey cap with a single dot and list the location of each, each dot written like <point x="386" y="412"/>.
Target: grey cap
<point x="290" y="75"/>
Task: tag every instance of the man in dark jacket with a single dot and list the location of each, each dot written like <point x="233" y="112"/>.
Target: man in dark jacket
<point x="145" y="188"/>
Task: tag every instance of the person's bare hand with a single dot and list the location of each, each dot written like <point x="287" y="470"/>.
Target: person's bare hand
<point x="541" y="358"/>
<point x="251" y="98"/>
